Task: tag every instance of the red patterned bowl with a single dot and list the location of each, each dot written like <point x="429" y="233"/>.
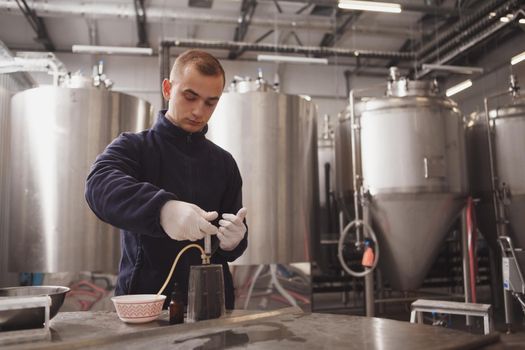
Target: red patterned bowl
<point x="138" y="308"/>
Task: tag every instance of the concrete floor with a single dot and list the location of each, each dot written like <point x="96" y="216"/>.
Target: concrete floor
<point x="332" y="303"/>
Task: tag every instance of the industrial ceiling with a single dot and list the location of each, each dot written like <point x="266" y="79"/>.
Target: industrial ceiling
<point x="425" y="32"/>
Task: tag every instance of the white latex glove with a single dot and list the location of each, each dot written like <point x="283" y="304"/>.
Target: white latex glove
<point x="232" y="229"/>
<point x="186" y="221"/>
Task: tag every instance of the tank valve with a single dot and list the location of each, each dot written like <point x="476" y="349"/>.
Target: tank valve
<point x="393" y="74"/>
<point x="368" y="255"/>
<point x="514" y="87"/>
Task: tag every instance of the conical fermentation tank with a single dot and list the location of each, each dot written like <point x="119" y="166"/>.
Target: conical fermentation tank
<point x="273" y="138"/>
<point x="508" y="124"/>
<point x="478" y="161"/>
<point x="56" y="134"/>
<point x="412" y="150"/>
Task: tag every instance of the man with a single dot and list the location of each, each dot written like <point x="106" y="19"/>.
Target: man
<point x="167" y="186"/>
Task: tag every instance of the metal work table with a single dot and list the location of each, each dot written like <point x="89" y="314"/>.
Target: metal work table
<point x="288" y="328"/>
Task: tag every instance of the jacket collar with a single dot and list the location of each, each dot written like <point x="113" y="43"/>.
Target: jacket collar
<point x="165" y="127"/>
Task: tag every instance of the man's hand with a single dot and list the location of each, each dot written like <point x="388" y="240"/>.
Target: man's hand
<point x="232" y="229"/>
<point x="186" y="221"/>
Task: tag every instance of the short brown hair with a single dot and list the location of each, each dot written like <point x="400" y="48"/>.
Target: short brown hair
<point x="205" y="63"/>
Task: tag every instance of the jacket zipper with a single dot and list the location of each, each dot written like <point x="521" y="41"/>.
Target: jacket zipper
<point x="190" y="175"/>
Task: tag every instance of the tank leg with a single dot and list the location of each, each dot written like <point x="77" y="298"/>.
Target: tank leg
<point x="369" y="278"/>
<point x="495" y="280"/>
<point x="507" y="299"/>
<point x="369" y="289"/>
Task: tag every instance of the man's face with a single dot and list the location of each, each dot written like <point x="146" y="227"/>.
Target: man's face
<point x="192" y="98"/>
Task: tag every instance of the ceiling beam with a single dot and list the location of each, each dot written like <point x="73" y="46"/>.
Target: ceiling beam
<point x="157" y="14"/>
<point x="460" y="32"/>
<point x="140" y="13"/>
<point x="240" y="51"/>
<point x="37" y="24"/>
<point x="330" y="39"/>
<point x="409" y="44"/>
<point x="247" y="10"/>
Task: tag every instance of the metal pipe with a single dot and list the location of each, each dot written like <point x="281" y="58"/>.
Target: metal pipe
<point x="453" y="48"/>
<point x="466" y="262"/>
<point x="471" y="243"/>
<point x="358" y="195"/>
<point x="461" y="25"/>
<point x="369" y="295"/>
<point x="507" y="303"/>
<point x="369" y="280"/>
<point x="354" y="127"/>
<point x="162" y="14"/>
<point x="164" y="64"/>
<point x="408" y="299"/>
<point x="159" y="14"/>
<point x="467" y="38"/>
<point x="297" y="49"/>
<point x="357" y="223"/>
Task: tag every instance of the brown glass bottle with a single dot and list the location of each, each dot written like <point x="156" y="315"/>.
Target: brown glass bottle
<point x="176" y="307"/>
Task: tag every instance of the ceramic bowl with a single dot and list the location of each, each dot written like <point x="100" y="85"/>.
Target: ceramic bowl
<point x="138" y="308"/>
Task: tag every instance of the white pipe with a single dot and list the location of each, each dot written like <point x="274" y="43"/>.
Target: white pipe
<point x="95" y="49"/>
<point x="279" y="287"/>
<point x="18" y="64"/>
<point x="252" y="284"/>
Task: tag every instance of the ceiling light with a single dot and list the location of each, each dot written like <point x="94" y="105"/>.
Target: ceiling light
<point x="521" y="21"/>
<point x="292" y="59"/>
<point x="112" y="50"/>
<point x="369" y="6"/>
<point x="504" y="19"/>
<point x="459" y="87"/>
<point x="518" y="58"/>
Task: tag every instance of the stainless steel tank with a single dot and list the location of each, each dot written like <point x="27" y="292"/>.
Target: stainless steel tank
<point x="324" y="251"/>
<point x="273" y="138"/>
<point x="56" y="133"/>
<point x="344" y="185"/>
<point x="412" y="146"/>
<point x="509" y="143"/>
<point x="326" y="166"/>
<point x="478" y="161"/>
<point x="9" y="85"/>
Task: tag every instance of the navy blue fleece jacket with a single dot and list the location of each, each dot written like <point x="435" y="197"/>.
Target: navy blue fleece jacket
<point x="133" y="178"/>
